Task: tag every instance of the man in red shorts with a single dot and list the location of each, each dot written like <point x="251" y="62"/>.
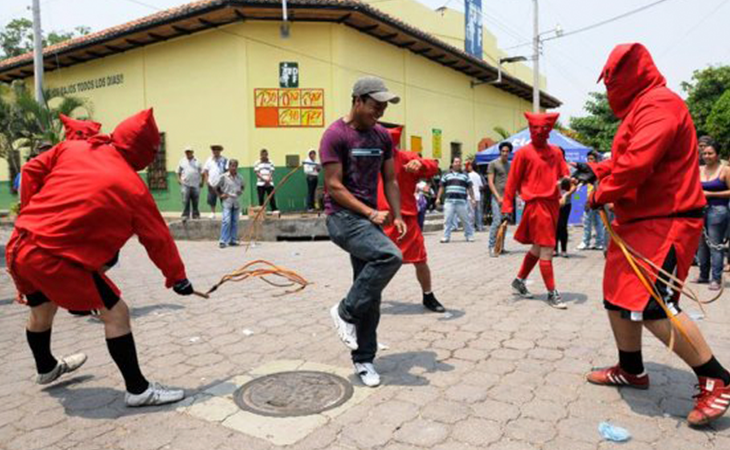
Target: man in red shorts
<point x="535" y="173"/>
<point x="653" y="182"/>
<point x="409" y="169"/>
<point x="80" y="203"/>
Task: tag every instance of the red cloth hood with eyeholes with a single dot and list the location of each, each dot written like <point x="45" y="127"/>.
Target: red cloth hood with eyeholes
<point x="79" y="130"/>
<point x="653" y="167"/>
<point x="82" y="200"/>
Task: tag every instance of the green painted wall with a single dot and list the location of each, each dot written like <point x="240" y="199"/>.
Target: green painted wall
<point x="290" y="197"/>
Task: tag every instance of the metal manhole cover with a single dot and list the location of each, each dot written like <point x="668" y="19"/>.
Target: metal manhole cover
<point x="297" y="393"/>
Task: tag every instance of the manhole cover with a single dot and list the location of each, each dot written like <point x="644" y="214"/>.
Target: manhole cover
<point x="297" y="393"/>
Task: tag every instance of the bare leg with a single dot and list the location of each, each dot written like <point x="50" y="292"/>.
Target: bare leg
<point x="662" y="330"/>
<point x="116" y="320"/>
<point x="41" y="317"/>
<point x="544" y="253"/>
<point x="626" y="333"/>
<point x="423" y="274"/>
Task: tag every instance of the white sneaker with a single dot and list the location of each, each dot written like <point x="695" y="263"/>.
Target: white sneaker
<point x="445" y="240"/>
<point x="156" y="394"/>
<point x="67" y="364"/>
<point x="367" y="373"/>
<point x="212" y="215"/>
<point x="346" y="331"/>
<point x="581" y="246"/>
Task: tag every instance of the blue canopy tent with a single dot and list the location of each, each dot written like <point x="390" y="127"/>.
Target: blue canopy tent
<point x="574" y="152"/>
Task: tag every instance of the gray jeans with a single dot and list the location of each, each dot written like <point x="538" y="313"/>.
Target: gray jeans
<point x="190" y="196"/>
<point x="496" y="222"/>
<point x="375" y="260"/>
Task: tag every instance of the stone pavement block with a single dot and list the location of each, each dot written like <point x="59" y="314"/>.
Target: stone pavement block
<point x="477" y="432"/>
<point x="423" y="433"/>
<point x="446" y="411"/>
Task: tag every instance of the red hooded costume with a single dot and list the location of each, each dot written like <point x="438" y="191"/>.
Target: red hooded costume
<point x="652" y="177"/>
<point x="80" y="203"/>
<point x="79" y="130"/>
<point x="535" y="172"/>
<point x="412" y="245"/>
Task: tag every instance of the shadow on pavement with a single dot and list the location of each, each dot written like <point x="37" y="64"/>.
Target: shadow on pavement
<point x="413" y="309"/>
<point x="397" y="369"/>
<point x="573" y="297"/>
<point x="95" y="402"/>
<point x="7" y="301"/>
<point x="142" y="311"/>
<point x="670" y="397"/>
<point x="2" y="256"/>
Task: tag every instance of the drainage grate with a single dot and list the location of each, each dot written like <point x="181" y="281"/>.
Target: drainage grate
<point x="289" y="394"/>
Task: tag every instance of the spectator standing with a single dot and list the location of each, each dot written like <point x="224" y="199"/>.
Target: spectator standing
<point x="213" y="169"/>
<point x="311" y="171"/>
<point x="230" y="188"/>
<point x="423" y="193"/>
<point x="264" y="170"/>
<point x="190" y="178"/>
<point x="715" y="179"/>
<point x="497" y="180"/>
<point x="456" y="188"/>
<point x="592" y="218"/>
<point x="566" y="205"/>
<point x="477" y="183"/>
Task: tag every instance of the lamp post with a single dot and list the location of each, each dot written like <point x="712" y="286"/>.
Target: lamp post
<point x="37" y="52"/>
<point x="535" y="60"/>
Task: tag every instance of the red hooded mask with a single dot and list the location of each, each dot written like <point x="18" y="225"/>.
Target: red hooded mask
<point x="540" y="127"/>
<point x="79" y="130"/>
<point x="628" y="74"/>
<point x="137" y="139"/>
<point x="395" y="135"/>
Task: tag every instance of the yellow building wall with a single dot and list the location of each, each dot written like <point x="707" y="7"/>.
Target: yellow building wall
<point x="202" y="89"/>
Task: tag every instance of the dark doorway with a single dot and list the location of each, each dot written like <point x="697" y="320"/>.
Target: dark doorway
<point x="455" y="150"/>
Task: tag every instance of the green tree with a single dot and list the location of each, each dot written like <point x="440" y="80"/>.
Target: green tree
<point x="718" y="123"/>
<point x="598" y="128"/>
<point x="705" y="88"/>
<point x="16" y="38"/>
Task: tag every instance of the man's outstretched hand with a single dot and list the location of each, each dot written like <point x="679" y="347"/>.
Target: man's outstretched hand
<point x="584" y="174"/>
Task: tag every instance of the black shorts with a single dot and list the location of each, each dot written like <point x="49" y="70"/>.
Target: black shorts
<point x="654" y="311"/>
<point x="107" y="294"/>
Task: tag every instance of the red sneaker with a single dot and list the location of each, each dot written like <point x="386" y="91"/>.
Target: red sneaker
<point x="616" y="376"/>
<point x="711" y="402"/>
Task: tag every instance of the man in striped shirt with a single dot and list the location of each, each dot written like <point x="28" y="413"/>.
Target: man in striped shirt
<point x="456" y="188"/>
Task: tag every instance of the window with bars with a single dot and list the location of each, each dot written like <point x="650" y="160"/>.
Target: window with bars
<point x="157" y="171"/>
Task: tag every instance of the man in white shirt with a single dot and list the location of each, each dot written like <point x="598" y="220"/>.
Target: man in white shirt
<point x="189" y="176"/>
<point x="311" y="171"/>
<point x="213" y="169"/>
<point x="264" y="170"/>
<point x="230" y="188"/>
<point x="477" y="182"/>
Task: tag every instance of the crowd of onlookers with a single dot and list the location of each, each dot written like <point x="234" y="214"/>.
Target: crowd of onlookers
<point x="471" y="196"/>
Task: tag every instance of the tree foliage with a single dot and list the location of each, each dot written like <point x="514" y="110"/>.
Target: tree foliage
<point x="703" y="91"/>
<point x="718" y="123"/>
<point x="16" y="38"/>
<point x="598" y="128"/>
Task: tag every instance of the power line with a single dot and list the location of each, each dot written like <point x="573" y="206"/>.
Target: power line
<point x="607" y="21"/>
<point x="693" y="28"/>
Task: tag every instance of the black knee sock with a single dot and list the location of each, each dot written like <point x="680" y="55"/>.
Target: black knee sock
<point x="40" y="345"/>
<point x="631" y="362"/>
<point x="713" y="369"/>
<point x="124" y="354"/>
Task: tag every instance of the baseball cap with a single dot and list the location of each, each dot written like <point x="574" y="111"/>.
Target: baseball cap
<point x="188" y="148"/>
<point x="374" y="87"/>
<point x="216" y="147"/>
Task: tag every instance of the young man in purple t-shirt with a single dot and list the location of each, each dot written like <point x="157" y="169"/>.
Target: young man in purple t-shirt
<point x="354" y="151"/>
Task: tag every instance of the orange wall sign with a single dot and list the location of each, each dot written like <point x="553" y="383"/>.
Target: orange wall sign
<point x="289" y="108"/>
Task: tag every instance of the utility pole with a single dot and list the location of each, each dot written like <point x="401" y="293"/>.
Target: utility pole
<point x="535" y="62"/>
<point x="37" y="51"/>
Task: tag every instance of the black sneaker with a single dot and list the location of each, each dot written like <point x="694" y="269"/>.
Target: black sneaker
<point x="430" y="302"/>
<point x="520" y="288"/>
<point x="555" y="300"/>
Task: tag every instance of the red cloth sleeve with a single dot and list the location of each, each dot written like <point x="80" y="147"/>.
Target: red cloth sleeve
<point x="602" y="169"/>
<point x="429" y="168"/>
<point x="513" y="183"/>
<point x="34" y="172"/>
<point x="655" y="130"/>
<point x="155" y="236"/>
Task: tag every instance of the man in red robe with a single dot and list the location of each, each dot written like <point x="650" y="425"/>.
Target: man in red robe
<point x="80" y="203"/>
<point x="535" y="173"/>
<point x="409" y="169"/>
<point x="653" y="183"/>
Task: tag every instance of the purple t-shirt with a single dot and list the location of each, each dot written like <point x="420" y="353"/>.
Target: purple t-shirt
<point x="361" y="154"/>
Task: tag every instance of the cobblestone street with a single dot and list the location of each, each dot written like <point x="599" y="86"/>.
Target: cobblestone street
<point x="495" y="372"/>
